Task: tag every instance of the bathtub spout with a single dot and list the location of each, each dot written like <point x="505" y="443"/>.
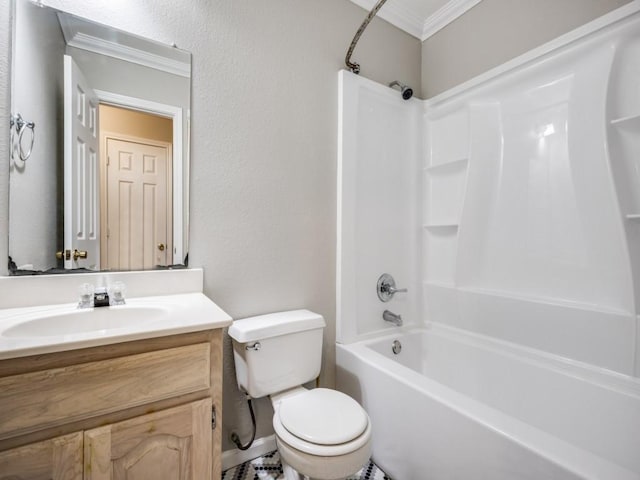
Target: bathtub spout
<point x="392" y="318"/>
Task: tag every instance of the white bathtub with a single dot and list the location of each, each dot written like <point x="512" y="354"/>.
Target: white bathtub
<point x="455" y="405"/>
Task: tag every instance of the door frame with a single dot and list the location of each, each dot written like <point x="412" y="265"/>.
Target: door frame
<point x="105" y="136"/>
<point x="179" y="203"/>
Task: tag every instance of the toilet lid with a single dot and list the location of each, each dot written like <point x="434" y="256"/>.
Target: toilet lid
<point x="323" y="417"/>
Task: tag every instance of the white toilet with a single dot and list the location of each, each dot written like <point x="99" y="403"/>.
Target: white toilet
<point x="321" y="434"/>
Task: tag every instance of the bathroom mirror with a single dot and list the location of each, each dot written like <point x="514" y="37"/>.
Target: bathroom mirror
<point x="99" y="162"/>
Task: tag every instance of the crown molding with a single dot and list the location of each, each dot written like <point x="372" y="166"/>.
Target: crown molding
<point x="396" y="13"/>
<point x="122" y="52"/>
<point x="445" y="15"/>
<point x="101" y="46"/>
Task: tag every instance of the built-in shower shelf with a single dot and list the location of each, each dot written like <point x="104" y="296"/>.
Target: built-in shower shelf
<point x="447" y="167"/>
<point x="633" y="216"/>
<point x="628" y="120"/>
<point x="441" y="226"/>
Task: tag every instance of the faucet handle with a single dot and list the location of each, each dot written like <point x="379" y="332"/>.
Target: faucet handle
<point x="116" y="293"/>
<point x="386" y="287"/>
<point x="86" y="291"/>
<point x="393" y="290"/>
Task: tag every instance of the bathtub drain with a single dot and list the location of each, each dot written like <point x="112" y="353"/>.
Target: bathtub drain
<point x="396" y="347"/>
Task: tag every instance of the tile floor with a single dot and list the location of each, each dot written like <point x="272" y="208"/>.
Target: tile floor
<point x="268" y="467"/>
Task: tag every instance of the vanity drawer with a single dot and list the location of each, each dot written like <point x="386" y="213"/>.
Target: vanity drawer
<point x="38" y="400"/>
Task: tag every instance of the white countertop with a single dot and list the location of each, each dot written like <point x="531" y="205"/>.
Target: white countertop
<point x="182" y="313"/>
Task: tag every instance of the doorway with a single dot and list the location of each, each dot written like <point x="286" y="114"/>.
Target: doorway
<point x="136" y="189"/>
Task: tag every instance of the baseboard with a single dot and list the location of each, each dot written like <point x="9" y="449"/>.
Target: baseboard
<point x="231" y="458"/>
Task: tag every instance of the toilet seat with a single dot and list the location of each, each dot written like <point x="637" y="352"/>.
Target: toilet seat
<point x="337" y="425"/>
<point x="323" y="416"/>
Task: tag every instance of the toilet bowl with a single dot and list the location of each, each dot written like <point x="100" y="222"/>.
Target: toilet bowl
<point x="321" y="434"/>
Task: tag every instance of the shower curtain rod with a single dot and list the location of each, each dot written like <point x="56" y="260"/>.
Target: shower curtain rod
<point x="355" y="67"/>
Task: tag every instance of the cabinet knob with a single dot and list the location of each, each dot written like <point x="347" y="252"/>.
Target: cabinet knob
<point x="161" y="247"/>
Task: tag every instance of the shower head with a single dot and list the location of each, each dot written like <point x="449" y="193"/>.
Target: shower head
<point x="406" y="91"/>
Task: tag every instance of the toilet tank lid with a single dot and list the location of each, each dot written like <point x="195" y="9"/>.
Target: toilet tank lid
<point x="274" y="324"/>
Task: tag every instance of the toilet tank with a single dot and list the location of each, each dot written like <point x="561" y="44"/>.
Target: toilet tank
<point x="277" y="351"/>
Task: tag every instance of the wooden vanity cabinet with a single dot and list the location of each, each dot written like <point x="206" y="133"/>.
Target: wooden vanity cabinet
<point x="171" y="444"/>
<point x="58" y="458"/>
<point x="136" y="410"/>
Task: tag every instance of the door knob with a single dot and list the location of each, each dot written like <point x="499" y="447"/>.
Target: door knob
<point x="79" y="254"/>
<point x="161" y="247"/>
<point x="66" y="255"/>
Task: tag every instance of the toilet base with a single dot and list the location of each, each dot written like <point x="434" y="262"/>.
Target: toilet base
<point x="290" y="473"/>
<point x="308" y="466"/>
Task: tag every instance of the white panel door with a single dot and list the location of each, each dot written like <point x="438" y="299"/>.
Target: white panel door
<point x="81" y="194"/>
<point x="138" y="204"/>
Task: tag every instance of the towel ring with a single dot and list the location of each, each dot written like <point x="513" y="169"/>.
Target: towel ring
<point x="21" y="126"/>
<point x="24" y="155"/>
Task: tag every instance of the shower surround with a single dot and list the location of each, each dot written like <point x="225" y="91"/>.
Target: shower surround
<point x="510" y="208"/>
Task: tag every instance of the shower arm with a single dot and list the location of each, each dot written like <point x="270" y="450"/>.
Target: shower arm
<point x="354" y="67"/>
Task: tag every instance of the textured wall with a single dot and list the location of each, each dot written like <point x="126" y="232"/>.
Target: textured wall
<point x="264" y="132"/>
<point x="495" y="31"/>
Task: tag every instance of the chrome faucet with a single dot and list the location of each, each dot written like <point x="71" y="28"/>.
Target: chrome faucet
<point x="392" y="318"/>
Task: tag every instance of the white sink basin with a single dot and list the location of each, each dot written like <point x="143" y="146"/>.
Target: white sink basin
<point x="86" y="320"/>
<point x="54" y="328"/>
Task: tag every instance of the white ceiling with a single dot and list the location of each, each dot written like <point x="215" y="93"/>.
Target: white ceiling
<point x="420" y="18"/>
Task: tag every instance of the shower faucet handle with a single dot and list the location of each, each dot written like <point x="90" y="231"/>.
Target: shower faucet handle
<point x="386" y="287"/>
<point x="393" y="290"/>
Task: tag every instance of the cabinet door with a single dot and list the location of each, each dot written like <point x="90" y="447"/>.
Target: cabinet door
<point x="173" y="444"/>
<point x="59" y="458"/>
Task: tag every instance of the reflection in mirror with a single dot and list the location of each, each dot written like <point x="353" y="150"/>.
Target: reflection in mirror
<point x="104" y="185"/>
